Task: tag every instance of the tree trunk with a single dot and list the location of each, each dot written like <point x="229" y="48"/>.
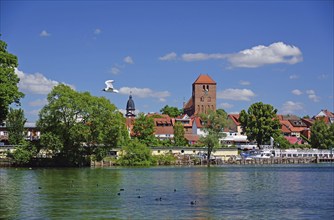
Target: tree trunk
<point x="209" y="155"/>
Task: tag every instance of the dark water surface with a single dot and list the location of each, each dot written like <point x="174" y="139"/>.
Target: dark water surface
<point x="226" y="192"/>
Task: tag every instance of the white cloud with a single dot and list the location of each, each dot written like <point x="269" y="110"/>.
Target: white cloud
<point x="296" y="92"/>
<point x="236" y="94"/>
<point x="169" y="56"/>
<point x="290" y="107"/>
<point x="202" y="56"/>
<point x="249" y="58"/>
<point x="262" y="55"/>
<point x="145" y="93"/>
<point x="35" y="83"/>
<point x="244" y="83"/>
<point x="97" y="31"/>
<point x="293" y="76"/>
<point x="311" y="95"/>
<point x="115" y="70"/>
<point x="128" y="60"/>
<point x="226" y="105"/>
<point x="44" y="33"/>
<point x="38" y="102"/>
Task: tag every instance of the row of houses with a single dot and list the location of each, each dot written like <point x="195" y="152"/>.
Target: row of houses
<point x="293" y="127"/>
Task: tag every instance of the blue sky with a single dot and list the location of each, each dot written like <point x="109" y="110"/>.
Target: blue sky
<point x="277" y="52"/>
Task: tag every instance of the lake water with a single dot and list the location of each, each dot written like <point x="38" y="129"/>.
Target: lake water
<point x="226" y="192"/>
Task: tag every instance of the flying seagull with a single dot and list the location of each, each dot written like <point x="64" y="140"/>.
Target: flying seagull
<point x="110" y="87"/>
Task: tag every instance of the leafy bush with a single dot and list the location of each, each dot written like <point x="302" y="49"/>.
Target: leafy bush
<point x="164" y="159"/>
<point x="136" y="154"/>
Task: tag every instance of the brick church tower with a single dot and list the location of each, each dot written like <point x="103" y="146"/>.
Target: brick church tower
<point x="203" y="96"/>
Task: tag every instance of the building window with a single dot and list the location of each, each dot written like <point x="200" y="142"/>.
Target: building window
<point x="202" y="99"/>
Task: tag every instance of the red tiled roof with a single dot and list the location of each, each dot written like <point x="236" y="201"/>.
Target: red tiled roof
<point x="293" y="140"/>
<point x="285" y="126"/>
<point x="198" y="122"/>
<point x="191" y="137"/>
<point x="204" y="79"/>
<point x="188" y="104"/>
<point x="235" y="118"/>
<point x="328" y="113"/>
<point x="164" y="130"/>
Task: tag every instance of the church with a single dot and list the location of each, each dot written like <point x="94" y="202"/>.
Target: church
<point x="203" y="97"/>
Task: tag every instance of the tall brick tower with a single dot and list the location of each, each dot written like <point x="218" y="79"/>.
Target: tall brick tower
<point x="203" y="96"/>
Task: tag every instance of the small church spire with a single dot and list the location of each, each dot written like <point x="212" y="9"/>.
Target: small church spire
<point x="130" y="107"/>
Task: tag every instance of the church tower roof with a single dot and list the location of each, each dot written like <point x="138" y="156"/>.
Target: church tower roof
<point x="204" y="79"/>
<point x="130" y="105"/>
<point x="130" y="108"/>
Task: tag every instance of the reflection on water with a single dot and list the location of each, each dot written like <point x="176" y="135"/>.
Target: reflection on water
<point x="228" y="192"/>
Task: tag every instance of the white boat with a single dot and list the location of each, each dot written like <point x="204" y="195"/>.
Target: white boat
<point x="258" y="154"/>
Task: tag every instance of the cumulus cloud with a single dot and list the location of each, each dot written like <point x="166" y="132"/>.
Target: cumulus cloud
<point x="257" y="56"/>
<point x="44" y="33"/>
<point x="244" y="83"/>
<point x="311" y="95"/>
<point x="262" y="55"/>
<point x="290" y="107"/>
<point x="145" y="93"/>
<point x="226" y="105"/>
<point x="97" y="31"/>
<point x="296" y="92"/>
<point x="169" y="56"/>
<point x="128" y="60"/>
<point x="236" y="94"/>
<point x="35" y="83"/>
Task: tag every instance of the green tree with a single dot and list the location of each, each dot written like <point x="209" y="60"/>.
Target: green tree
<point x="213" y="124"/>
<point x="135" y="154"/>
<point x="171" y="111"/>
<point x="260" y="123"/>
<point x="9" y="91"/>
<point x="221" y="112"/>
<point x="179" y="139"/>
<point x="322" y="135"/>
<point x="281" y="142"/>
<point x="23" y="153"/>
<point x="75" y="125"/>
<point x="143" y="129"/>
<point x="15" y="126"/>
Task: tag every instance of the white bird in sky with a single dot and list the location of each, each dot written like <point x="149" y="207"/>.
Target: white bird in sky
<point x="110" y="87"/>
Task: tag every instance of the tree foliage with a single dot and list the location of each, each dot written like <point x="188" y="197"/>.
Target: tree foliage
<point x="143" y="129"/>
<point x="213" y="124"/>
<point x="281" y="142"/>
<point x="136" y="154"/>
<point x="322" y="135"/>
<point x="15" y="126"/>
<point x="260" y="123"/>
<point x="9" y="92"/>
<point x="75" y="125"/>
<point x="24" y="153"/>
<point x="171" y="111"/>
<point x="179" y="139"/>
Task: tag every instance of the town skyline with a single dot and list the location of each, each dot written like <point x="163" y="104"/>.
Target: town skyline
<point x="156" y="50"/>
